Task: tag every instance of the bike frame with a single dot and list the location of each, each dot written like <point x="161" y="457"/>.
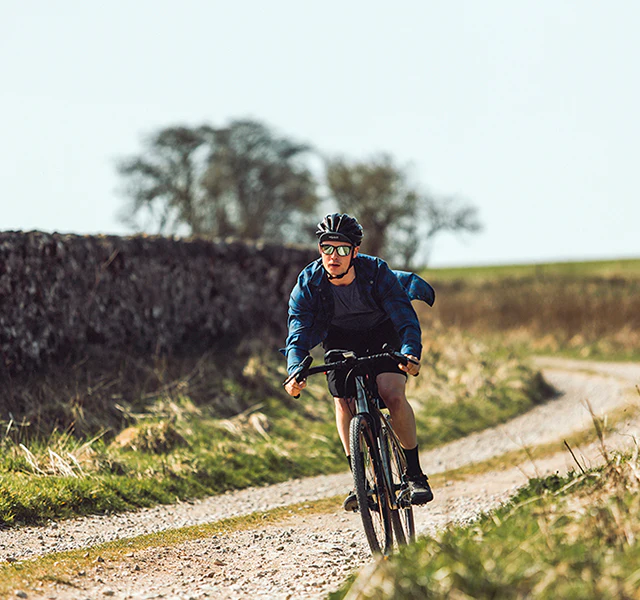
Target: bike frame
<point x="369" y="403"/>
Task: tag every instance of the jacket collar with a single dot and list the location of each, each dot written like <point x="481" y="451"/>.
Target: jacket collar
<point x="317" y="275"/>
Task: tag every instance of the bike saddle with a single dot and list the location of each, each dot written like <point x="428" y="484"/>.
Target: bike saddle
<point x="336" y="355"/>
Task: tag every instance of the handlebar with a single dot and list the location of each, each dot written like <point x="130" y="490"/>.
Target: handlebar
<point x="305" y="369"/>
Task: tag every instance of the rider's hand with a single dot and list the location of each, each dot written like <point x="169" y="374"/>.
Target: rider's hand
<point x="293" y="387"/>
<point x="411" y="368"/>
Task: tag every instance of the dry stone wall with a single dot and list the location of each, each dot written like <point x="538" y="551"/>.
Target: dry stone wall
<point x="61" y="293"/>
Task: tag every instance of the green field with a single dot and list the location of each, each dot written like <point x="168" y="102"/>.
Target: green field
<point x="607" y="269"/>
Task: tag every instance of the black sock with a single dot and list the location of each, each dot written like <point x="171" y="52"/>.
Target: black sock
<point x="349" y="461"/>
<point x="413" y="462"/>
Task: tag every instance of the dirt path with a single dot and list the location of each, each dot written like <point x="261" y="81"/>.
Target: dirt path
<point x="306" y="557"/>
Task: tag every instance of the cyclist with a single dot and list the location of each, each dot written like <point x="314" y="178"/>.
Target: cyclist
<point x="350" y="301"/>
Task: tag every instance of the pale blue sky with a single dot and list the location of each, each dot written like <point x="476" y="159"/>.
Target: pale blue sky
<point x="527" y="109"/>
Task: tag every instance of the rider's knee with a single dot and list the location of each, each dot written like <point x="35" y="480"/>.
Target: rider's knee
<point x="343" y="403"/>
<point x="394" y="399"/>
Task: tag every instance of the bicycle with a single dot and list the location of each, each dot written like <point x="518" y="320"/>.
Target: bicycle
<point x="377" y="458"/>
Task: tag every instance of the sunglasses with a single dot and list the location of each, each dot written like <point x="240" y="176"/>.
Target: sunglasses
<point x="342" y="250"/>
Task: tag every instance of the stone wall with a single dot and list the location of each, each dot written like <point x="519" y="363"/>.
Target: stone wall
<point x="61" y="293"/>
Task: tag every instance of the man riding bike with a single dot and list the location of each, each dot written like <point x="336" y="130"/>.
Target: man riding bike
<point x="350" y="301"/>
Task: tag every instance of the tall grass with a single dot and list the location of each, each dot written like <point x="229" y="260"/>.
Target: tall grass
<point x="105" y="389"/>
<point x="575" y="536"/>
<point x="570" y="537"/>
<point x="467" y="385"/>
<point x="574" y="310"/>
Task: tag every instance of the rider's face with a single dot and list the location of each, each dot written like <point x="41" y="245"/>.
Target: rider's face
<point x="335" y="264"/>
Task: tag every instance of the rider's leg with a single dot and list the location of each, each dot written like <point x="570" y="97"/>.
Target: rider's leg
<point x="392" y="390"/>
<point x="391" y="387"/>
<point x="344" y="412"/>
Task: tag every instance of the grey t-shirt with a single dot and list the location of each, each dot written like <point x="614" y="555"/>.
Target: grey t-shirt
<point x="351" y="312"/>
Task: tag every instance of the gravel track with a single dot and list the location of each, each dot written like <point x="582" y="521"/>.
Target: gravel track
<point x="306" y="557"/>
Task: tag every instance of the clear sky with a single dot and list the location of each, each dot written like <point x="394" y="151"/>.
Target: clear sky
<point x="529" y="110"/>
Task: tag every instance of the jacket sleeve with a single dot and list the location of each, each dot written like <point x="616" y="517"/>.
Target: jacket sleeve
<point x="300" y="323"/>
<point x="396" y="303"/>
<point x="416" y="287"/>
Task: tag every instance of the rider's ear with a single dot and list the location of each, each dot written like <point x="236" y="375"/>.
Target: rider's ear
<point x="355" y="251"/>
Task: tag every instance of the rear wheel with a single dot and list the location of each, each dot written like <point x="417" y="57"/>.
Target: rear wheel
<point x="369" y="485"/>
<point x="395" y="465"/>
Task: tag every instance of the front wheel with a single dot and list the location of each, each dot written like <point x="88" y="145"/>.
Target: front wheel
<point x="370" y="485"/>
<point x="395" y="466"/>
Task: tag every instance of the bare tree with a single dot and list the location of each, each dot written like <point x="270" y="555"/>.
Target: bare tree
<point x="400" y="222"/>
<point x="241" y="180"/>
<point x="447" y="213"/>
<point x="164" y="182"/>
<point x="376" y="192"/>
<point x="258" y="182"/>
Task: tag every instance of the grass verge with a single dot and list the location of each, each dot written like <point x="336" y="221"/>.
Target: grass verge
<point x="559" y="537"/>
<point x="175" y="449"/>
<point x="468" y="385"/>
<point x="570" y="537"/>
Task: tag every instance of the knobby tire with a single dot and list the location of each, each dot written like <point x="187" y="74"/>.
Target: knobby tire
<point x="394" y="465"/>
<point x="368" y="475"/>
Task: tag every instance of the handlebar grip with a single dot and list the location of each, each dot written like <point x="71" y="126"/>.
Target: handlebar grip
<point x="304" y="365"/>
<point x="397" y="355"/>
<point x="302" y="368"/>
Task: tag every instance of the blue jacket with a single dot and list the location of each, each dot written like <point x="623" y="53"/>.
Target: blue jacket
<point x="311" y="305"/>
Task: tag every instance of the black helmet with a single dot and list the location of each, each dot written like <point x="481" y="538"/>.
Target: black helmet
<point x="338" y="227"/>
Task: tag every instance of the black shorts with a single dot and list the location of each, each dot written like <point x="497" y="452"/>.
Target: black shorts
<point x="364" y="342"/>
